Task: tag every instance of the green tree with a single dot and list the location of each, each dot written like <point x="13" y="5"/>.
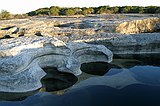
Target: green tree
<point x="24" y="15"/>
<point x="141" y="10"/>
<point x="126" y="9"/>
<point x="114" y="9"/>
<point x="17" y="16"/>
<point x="43" y="11"/>
<point x="54" y="10"/>
<point x="87" y="10"/>
<point x="68" y="11"/>
<point x="77" y="10"/>
<point x="158" y="10"/>
<point x="151" y="9"/>
<point x="102" y="9"/>
<point x="5" y="14"/>
<point x="32" y="13"/>
<point x="136" y="9"/>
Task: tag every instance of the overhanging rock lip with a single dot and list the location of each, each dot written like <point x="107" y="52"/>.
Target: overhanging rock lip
<point x="66" y="59"/>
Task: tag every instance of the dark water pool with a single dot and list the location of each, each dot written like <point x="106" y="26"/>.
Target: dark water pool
<point x="59" y="83"/>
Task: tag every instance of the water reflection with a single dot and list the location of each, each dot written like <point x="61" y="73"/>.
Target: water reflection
<point x="148" y="59"/>
<point x="96" y="68"/>
<point x="127" y="61"/>
<point x="14" y="96"/>
<point x="101" y="68"/>
<point x="55" y="81"/>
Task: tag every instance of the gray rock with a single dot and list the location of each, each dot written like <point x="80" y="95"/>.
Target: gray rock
<point x="14" y="30"/>
<point x="22" y="60"/>
<point x="120" y="44"/>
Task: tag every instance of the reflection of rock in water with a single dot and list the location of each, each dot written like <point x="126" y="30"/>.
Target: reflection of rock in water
<point x="137" y="86"/>
<point x="139" y="59"/>
<point x="13" y="96"/>
<point x="55" y="80"/>
<point x="97" y="68"/>
<point x="126" y="63"/>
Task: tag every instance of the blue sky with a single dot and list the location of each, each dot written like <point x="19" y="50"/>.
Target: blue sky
<point x="23" y="6"/>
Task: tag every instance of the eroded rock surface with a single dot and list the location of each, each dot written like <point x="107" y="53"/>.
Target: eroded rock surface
<point x="138" y="26"/>
<point x="146" y="43"/>
<point x="91" y="25"/>
<point x="22" y="60"/>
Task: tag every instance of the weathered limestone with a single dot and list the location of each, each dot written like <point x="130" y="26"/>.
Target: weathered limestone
<point x="53" y="26"/>
<point x="138" y="26"/>
<point x="145" y="43"/>
<point x="135" y="44"/>
<point x="22" y="60"/>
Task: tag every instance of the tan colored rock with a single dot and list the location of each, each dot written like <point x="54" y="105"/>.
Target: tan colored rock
<point x="80" y="26"/>
<point x="138" y="26"/>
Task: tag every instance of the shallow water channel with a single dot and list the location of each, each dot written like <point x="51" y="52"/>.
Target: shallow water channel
<point x="59" y="83"/>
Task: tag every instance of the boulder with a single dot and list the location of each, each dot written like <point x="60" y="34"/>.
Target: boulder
<point x="22" y="60"/>
<point x="9" y="31"/>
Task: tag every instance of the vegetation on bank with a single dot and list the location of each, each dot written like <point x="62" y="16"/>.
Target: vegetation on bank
<point x="6" y="15"/>
<point x="58" y="11"/>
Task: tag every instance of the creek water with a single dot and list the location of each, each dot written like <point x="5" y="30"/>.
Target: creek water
<point x="59" y="83"/>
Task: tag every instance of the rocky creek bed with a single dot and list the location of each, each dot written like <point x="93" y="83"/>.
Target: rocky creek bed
<point x="125" y="81"/>
<point x="92" y="60"/>
<point x="89" y="25"/>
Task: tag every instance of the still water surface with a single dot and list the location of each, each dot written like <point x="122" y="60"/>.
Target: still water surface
<point x="59" y="83"/>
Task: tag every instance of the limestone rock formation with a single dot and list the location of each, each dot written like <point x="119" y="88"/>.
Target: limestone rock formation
<point x="91" y="25"/>
<point x="138" y="26"/>
<point x="123" y="44"/>
<point x="22" y="60"/>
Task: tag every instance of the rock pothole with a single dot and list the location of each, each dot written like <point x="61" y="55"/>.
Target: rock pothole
<point x="55" y="80"/>
<point x="97" y="68"/>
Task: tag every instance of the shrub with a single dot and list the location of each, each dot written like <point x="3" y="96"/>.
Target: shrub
<point x="5" y="14"/>
<point x="54" y="10"/>
<point x="87" y="11"/>
<point x="69" y="11"/>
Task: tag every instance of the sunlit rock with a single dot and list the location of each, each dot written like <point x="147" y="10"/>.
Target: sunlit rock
<point x="53" y="26"/>
<point x="138" y="26"/>
<point x="22" y="60"/>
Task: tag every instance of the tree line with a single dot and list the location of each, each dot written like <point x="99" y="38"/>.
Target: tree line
<point x="58" y="11"/>
<point x="6" y="15"/>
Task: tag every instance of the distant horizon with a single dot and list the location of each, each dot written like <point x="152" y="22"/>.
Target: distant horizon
<point x="25" y="6"/>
